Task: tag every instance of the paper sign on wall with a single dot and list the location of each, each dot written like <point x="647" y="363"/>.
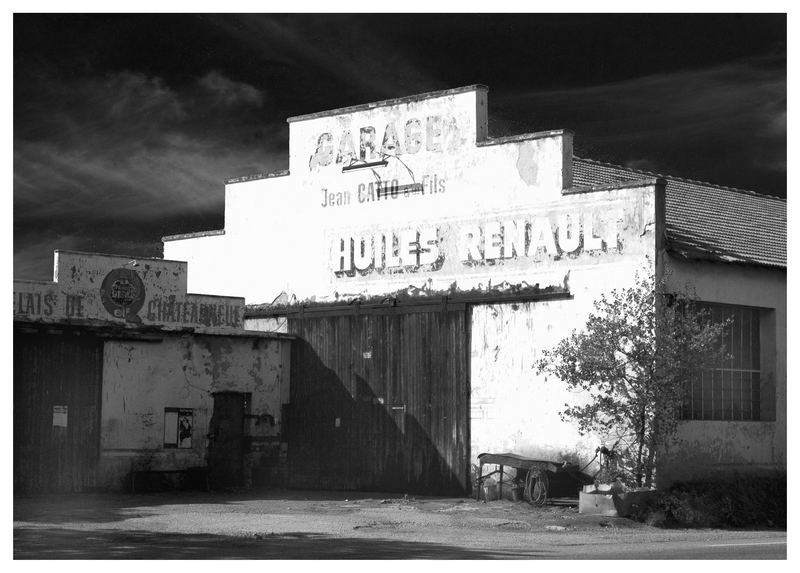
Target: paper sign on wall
<point x="60" y="416"/>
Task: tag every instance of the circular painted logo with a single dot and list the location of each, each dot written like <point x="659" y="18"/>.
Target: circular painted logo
<point x="122" y="293"/>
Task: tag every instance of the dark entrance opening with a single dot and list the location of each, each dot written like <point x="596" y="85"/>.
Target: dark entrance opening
<point x="226" y="441"/>
<point x="57" y="384"/>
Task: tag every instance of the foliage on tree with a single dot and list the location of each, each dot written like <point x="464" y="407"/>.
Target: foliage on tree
<point x="634" y="359"/>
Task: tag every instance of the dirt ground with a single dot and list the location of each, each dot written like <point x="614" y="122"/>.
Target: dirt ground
<point x="342" y="525"/>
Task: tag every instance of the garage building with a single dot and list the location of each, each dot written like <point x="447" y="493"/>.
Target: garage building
<point x="423" y="266"/>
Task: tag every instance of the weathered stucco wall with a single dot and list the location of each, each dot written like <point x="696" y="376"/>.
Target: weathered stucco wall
<point x="278" y="324"/>
<point x="95" y="289"/>
<point x="437" y="208"/>
<point x="141" y="379"/>
<point x="512" y="407"/>
<point x="442" y="180"/>
<point x="706" y="447"/>
<point x="451" y="211"/>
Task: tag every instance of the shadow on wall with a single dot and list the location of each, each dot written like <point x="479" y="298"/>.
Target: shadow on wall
<point x="375" y="434"/>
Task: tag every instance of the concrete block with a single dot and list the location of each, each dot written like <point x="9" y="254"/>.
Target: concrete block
<point x="612" y="504"/>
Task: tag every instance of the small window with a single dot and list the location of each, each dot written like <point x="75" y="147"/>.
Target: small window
<point x="178" y="423"/>
<point x="730" y="390"/>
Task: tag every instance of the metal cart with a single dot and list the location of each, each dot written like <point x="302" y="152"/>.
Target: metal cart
<point x="543" y="480"/>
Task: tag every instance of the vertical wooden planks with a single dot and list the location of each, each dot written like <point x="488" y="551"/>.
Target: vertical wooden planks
<point x="56" y="449"/>
<point x="402" y="379"/>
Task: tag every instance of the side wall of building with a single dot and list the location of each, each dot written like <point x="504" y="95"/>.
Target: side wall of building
<point x="142" y="379"/>
<point x="704" y="447"/>
<point x="515" y="409"/>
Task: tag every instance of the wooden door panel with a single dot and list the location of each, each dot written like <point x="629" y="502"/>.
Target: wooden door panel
<point x="379" y="401"/>
<point x="57" y="385"/>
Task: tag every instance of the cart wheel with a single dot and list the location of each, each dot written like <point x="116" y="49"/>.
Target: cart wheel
<point x="536" y="488"/>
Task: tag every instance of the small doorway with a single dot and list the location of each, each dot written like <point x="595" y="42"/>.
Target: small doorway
<point x="226" y="447"/>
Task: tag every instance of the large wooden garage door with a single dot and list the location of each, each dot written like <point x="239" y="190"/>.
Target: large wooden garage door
<point x="379" y="401"/>
<point x="57" y="380"/>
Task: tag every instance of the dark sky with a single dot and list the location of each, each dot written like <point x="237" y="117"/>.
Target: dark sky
<point x="126" y="126"/>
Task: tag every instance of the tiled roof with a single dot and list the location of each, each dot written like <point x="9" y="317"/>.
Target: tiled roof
<point x="706" y="220"/>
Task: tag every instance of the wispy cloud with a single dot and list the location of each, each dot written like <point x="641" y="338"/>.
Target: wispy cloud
<point x="129" y="148"/>
<point x="128" y="96"/>
<point x="146" y="152"/>
<point x="229" y="92"/>
<point x="33" y="251"/>
<point x="730" y="117"/>
<point x="349" y="50"/>
<point x="139" y="154"/>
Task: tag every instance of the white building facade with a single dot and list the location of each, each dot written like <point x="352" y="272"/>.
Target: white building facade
<point x="424" y="266"/>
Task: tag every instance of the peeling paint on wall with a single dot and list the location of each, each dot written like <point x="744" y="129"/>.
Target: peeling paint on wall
<point x="514" y="409"/>
<point x="527" y="166"/>
<point x="424" y="198"/>
<point x="114" y="290"/>
<point x="505" y="219"/>
<point x="141" y="379"/>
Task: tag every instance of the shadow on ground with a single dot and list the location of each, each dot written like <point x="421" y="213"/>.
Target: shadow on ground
<point x="110" y="507"/>
<point x="51" y="543"/>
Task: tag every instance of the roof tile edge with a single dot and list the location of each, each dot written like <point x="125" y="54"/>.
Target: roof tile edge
<point x="627" y="184"/>
<point x="682" y="179"/>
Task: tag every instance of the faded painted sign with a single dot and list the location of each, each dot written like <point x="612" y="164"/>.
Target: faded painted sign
<point x="375" y="204"/>
<point x="128" y="292"/>
<point x="462" y="244"/>
<point x="386" y="191"/>
<point x="404" y="136"/>
<point x="403" y="131"/>
<point x="122" y="293"/>
<point x="40" y="303"/>
<point x="183" y="311"/>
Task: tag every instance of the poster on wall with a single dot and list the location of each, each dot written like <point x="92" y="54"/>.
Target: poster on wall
<point x="59" y="416"/>
<point x="184" y="428"/>
<point x="178" y="423"/>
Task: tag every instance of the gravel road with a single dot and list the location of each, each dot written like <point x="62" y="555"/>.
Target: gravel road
<point x="342" y="525"/>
